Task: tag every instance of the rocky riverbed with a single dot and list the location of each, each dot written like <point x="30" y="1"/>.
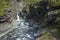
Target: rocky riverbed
<point x="25" y="31"/>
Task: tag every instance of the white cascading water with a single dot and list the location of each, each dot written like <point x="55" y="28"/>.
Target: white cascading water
<point x="18" y="19"/>
<point x="22" y="28"/>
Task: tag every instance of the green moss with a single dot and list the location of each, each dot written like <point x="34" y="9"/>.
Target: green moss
<point x="31" y="1"/>
<point x="3" y="5"/>
<point x="28" y="2"/>
<point x="46" y="36"/>
<point x="57" y="2"/>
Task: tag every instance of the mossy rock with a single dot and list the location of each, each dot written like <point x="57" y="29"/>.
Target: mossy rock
<point x="3" y="5"/>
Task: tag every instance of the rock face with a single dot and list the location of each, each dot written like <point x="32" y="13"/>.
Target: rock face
<point x="5" y="18"/>
<point x="6" y="27"/>
<point x="18" y="0"/>
<point x="8" y="22"/>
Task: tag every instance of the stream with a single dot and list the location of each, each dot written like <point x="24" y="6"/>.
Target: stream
<point x="25" y="31"/>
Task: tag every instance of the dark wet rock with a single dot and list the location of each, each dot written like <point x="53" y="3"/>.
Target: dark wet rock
<point x="37" y="35"/>
<point x="51" y="19"/>
<point x="8" y="10"/>
<point x="18" y="0"/>
<point x="2" y="19"/>
<point x="5" y="18"/>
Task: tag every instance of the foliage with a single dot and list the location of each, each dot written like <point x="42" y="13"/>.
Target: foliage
<point x="3" y="5"/>
<point x="46" y="36"/>
<point x="55" y="2"/>
<point x="31" y="2"/>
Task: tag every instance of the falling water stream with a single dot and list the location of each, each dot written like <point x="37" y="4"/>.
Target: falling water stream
<point x="17" y="18"/>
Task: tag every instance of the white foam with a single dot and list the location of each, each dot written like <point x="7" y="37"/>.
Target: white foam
<point x="18" y="39"/>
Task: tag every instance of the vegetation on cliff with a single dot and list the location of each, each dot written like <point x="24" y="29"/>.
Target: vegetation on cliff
<point x="47" y="13"/>
<point x="4" y="4"/>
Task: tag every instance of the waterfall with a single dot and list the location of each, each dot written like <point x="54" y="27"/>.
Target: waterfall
<point x="18" y="19"/>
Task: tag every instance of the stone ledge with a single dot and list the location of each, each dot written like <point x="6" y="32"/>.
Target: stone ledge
<point x="8" y="28"/>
